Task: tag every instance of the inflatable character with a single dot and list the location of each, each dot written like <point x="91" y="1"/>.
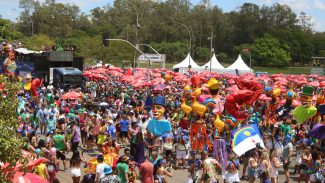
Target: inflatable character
<point x="187" y="92"/>
<point x="306" y="110"/>
<point x="214" y="104"/>
<point x="10" y="65"/>
<point x="36" y="83"/>
<point x="159" y="126"/>
<point x="285" y="109"/>
<point x="247" y="95"/>
<point x="274" y="103"/>
<point x="198" y="134"/>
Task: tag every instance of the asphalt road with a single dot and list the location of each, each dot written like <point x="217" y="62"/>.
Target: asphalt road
<point x="179" y="176"/>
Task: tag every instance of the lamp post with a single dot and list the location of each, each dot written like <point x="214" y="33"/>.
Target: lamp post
<point x="190" y="46"/>
<point x="137" y="49"/>
<point x="153" y="50"/>
<point x="211" y="50"/>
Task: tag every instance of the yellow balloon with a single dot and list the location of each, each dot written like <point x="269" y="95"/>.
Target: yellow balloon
<point x="197" y="93"/>
<point x="218" y="124"/>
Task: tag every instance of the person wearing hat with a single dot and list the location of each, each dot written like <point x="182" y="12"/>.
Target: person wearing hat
<point x="159" y="126"/>
<point x="100" y="167"/>
<point x="108" y="176"/>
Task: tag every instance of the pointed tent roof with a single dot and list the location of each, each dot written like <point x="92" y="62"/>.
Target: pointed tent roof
<point x="186" y="62"/>
<point x="239" y="64"/>
<point x="215" y="64"/>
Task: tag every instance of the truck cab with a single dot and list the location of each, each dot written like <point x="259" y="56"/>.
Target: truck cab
<point x="67" y="77"/>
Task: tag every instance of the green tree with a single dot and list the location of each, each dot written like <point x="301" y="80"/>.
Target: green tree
<point x="10" y="145"/>
<point x="38" y="42"/>
<point x="268" y="51"/>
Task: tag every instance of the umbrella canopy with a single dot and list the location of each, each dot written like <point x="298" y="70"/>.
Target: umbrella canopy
<point x="318" y="131"/>
<point x="72" y="95"/>
<point x="294" y="102"/>
<point x="263" y="97"/>
<point x="20" y="177"/>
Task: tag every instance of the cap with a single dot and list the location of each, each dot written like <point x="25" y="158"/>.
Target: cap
<point x="213" y="84"/>
<point x="107" y="170"/>
<point x="160" y="100"/>
<point x="307" y="90"/>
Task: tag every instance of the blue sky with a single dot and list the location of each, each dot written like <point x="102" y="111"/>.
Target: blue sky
<point x="313" y="8"/>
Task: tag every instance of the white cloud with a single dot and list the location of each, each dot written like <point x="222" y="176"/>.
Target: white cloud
<point x="319" y="4"/>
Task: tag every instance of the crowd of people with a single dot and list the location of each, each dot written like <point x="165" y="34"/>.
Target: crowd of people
<point x="110" y="118"/>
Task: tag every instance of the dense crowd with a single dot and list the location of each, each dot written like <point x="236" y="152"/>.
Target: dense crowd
<point x="110" y="118"/>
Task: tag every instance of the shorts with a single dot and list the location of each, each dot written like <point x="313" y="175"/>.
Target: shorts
<point x="90" y="137"/>
<point x="245" y="161"/>
<point x="168" y="153"/>
<point x="60" y="155"/>
<point x="124" y="134"/>
<point x="75" y="172"/>
<point x="181" y="154"/>
<point x="232" y="177"/>
<point x="286" y="166"/>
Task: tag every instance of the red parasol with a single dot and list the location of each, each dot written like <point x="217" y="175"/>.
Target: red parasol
<point x="233" y="88"/>
<point x="314" y="84"/>
<point x="72" y="95"/>
<point x="20" y="177"/>
<point x="263" y="97"/>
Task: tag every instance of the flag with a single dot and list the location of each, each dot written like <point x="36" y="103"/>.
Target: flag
<point x="245" y="139"/>
<point x="148" y="104"/>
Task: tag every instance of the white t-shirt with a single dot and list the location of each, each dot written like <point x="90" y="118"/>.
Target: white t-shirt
<point x="100" y="169"/>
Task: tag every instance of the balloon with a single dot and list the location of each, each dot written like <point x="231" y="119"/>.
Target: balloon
<point x="303" y="113"/>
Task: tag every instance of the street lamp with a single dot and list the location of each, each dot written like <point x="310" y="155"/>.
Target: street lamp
<point x="190" y="35"/>
<point x="153" y="50"/>
<point x="211" y="50"/>
<point x="137" y="49"/>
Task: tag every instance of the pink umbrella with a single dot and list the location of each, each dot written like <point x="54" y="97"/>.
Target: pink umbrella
<point x="314" y="84"/>
<point x="263" y="97"/>
<point x="20" y="177"/>
<point x="233" y="88"/>
<point x="72" y="95"/>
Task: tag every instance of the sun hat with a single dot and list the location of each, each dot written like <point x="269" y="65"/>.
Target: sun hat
<point x="107" y="170"/>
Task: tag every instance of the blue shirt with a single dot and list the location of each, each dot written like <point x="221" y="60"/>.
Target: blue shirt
<point x="124" y="125"/>
<point x="112" y="131"/>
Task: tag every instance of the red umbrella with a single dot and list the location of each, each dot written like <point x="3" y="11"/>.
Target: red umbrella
<point x="233" y="88"/>
<point x="72" y="95"/>
<point x="20" y="177"/>
<point x="314" y="83"/>
<point x="263" y="97"/>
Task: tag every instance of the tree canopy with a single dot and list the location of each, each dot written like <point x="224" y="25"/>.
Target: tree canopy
<point x="153" y="22"/>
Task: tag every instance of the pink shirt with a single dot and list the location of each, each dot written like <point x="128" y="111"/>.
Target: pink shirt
<point x="146" y="172"/>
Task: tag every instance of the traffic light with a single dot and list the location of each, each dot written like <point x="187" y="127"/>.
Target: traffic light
<point x="105" y="39"/>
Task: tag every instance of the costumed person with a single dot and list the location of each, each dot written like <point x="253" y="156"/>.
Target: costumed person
<point x="184" y="122"/>
<point x="274" y="103"/>
<point x="28" y="82"/>
<point x="198" y="133"/>
<point x="158" y="125"/>
<point x="36" y="83"/>
<point x="217" y="105"/>
<point x="10" y="65"/>
<point x="306" y="110"/>
<point x="285" y="109"/>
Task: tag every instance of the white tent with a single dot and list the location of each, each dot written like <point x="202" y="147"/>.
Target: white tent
<point x="183" y="65"/>
<point x="215" y="64"/>
<point x="240" y="65"/>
